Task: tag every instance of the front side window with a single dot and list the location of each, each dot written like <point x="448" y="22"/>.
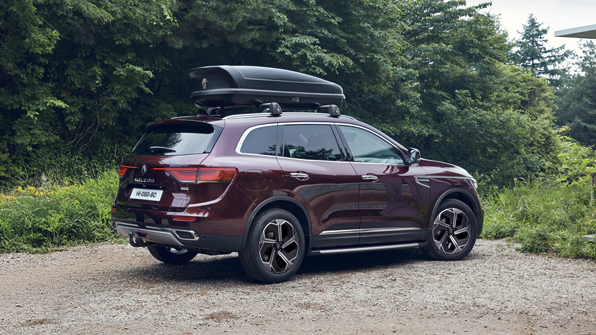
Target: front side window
<point x="367" y="147"/>
<point x="311" y="141"/>
<point x="261" y="141"/>
<point x="177" y="138"/>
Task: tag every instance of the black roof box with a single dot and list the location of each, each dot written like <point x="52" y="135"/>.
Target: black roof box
<point x="242" y="86"/>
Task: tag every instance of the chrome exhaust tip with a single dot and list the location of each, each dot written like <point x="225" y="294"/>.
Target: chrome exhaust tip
<point x="187" y="235"/>
<point x="135" y="240"/>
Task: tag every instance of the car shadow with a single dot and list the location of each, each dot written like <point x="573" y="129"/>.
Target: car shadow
<point x="363" y="261"/>
<point x="226" y="269"/>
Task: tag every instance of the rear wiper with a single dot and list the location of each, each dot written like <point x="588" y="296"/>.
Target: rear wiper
<point x="158" y="148"/>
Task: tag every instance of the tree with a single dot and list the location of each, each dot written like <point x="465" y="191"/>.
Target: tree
<point x="577" y="104"/>
<point x="530" y="52"/>
<point x="71" y="70"/>
<point x="87" y="75"/>
<point x="463" y="105"/>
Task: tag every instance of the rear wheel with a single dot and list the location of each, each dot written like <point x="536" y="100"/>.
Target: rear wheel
<point x="453" y="231"/>
<point x="172" y="255"/>
<point x="274" y="247"/>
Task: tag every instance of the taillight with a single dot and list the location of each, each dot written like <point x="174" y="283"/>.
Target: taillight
<point x="216" y="175"/>
<point x="201" y="175"/>
<point x="183" y="175"/>
<point x="123" y="169"/>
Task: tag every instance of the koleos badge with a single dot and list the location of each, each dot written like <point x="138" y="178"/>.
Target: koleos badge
<point x="204" y="83"/>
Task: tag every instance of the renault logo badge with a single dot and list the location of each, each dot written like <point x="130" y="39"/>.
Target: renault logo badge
<point x="204" y="83"/>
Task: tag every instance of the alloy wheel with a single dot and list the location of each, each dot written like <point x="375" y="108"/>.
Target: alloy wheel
<point x="278" y="246"/>
<point x="451" y="231"/>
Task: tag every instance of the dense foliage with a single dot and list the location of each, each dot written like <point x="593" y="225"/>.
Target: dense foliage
<point x="74" y="77"/>
<point x="548" y="216"/>
<point x="81" y="78"/>
<point x="577" y="102"/>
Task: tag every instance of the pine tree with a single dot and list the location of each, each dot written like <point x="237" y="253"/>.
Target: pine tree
<point x="530" y="52"/>
<point x="577" y="101"/>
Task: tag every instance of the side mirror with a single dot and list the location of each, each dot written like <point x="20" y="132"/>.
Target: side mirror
<point x="413" y="156"/>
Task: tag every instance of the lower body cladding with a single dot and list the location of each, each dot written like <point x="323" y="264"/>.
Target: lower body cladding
<point x="141" y="235"/>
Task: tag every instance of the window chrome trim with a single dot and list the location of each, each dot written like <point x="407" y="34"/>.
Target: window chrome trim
<point x="248" y="131"/>
<point x="313" y="160"/>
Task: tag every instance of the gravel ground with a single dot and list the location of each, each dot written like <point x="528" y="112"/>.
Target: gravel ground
<point x="110" y="288"/>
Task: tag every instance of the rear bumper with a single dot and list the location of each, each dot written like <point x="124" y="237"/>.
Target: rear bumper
<point x="178" y="238"/>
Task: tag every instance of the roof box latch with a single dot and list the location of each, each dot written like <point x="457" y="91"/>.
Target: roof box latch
<point x="333" y="110"/>
<point x="272" y="107"/>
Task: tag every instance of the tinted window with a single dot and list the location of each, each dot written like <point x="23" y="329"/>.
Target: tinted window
<point x="311" y="142"/>
<point x="170" y="139"/>
<point x="369" y="148"/>
<point x="261" y="141"/>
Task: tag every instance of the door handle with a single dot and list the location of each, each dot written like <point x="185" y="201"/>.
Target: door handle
<point x="370" y="177"/>
<point x="299" y="175"/>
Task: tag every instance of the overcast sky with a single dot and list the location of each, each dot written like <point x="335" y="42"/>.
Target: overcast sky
<point x="555" y="14"/>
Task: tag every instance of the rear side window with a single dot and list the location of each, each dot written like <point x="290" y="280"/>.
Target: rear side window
<point x="172" y="139"/>
<point x="261" y="141"/>
<point x="311" y="142"/>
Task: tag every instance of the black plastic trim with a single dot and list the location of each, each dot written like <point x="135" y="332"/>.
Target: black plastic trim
<point x="272" y="200"/>
<point x="215" y="242"/>
<point x="477" y="210"/>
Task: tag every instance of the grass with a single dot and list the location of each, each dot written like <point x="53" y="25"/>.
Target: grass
<point x="544" y="217"/>
<point x="40" y="219"/>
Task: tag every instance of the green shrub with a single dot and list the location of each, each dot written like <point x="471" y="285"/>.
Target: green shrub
<point x="551" y="215"/>
<point x="34" y="219"/>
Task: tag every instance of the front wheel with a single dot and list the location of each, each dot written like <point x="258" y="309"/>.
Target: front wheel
<point x="274" y="247"/>
<point x="171" y="255"/>
<point x="453" y="231"/>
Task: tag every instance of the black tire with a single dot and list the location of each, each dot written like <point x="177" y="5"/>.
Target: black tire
<point x="274" y="247"/>
<point x="171" y="255"/>
<point x="452" y="232"/>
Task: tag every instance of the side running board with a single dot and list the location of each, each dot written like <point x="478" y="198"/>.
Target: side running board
<point x="366" y="248"/>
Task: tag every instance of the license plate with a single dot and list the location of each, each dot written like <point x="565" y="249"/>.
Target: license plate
<point x="145" y="194"/>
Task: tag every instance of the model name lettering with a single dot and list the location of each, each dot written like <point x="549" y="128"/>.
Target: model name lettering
<point x="144" y="180"/>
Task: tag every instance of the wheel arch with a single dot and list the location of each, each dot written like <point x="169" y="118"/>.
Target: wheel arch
<point x="289" y="204"/>
<point x="465" y="197"/>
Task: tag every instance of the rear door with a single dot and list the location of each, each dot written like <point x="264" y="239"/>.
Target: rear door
<point x="390" y="199"/>
<point x="162" y="171"/>
<point x="318" y="175"/>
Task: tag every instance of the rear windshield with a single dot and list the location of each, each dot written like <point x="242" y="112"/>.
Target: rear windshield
<point x="172" y="139"/>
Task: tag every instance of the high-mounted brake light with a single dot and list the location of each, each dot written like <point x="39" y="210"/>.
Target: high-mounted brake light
<point x="123" y="169"/>
<point x="201" y="175"/>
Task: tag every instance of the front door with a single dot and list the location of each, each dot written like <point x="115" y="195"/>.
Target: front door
<point x="390" y="200"/>
<point x="317" y="174"/>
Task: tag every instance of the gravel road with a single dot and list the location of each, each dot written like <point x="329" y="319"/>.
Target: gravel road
<point x="111" y="288"/>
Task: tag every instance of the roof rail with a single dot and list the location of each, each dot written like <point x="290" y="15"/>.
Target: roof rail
<point x="333" y="110"/>
<point x="273" y="108"/>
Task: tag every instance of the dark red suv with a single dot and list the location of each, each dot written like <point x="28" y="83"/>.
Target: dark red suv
<point x="276" y="186"/>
